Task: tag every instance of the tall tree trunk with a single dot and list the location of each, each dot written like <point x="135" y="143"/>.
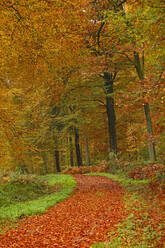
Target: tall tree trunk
<point x="139" y="66"/>
<point x="77" y="146"/>
<point x="151" y="145"/>
<point x="57" y="158"/>
<point x="71" y="151"/>
<point x="57" y="155"/>
<point x="109" y="80"/>
<point x="87" y="159"/>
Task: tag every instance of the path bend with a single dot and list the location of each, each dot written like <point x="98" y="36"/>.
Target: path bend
<point x="77" y="222"/>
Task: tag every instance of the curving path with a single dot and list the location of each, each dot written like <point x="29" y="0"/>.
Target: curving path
<point x="79" y="221"/>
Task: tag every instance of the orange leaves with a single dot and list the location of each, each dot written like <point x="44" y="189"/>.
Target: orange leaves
<point x="102" y="167"/>
<point x="79" y="221"/>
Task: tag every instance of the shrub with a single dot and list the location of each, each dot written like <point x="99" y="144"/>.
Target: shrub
<point x="150" y="171"/>
<point x="154" y="171"/>
<point x="102" y="167"/>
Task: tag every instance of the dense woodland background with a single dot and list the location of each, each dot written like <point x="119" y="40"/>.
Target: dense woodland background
<point x="79" y="80"/>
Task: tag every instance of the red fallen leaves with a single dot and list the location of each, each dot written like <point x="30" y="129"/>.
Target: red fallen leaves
<point x="148" y="171"/>
<point x="102" y="167"/>
<point x="79" y="221"/>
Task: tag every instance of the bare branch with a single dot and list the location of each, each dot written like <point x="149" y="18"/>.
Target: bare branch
<point x="101" y="102"/>
<point x="160" y="76"/>
<point x="99" y="32"/>
<point x="126" y="55"/>
<point x="16" y="10"/>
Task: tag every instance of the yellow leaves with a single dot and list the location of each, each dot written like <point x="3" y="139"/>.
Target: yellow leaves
<point x="133" y="137"/>
<point x="15" y="92"/>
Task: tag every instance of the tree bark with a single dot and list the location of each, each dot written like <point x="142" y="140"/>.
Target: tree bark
<point x="44" y="162"/>
<point x="71" y="152"/>
<point x="87" y="159"/>
<point x="139" y="66"/>
<point x="57" y="158"/>
<point x="109" y="80"/>
<point x="151" y="145"/>
<point x="77" y="146"/>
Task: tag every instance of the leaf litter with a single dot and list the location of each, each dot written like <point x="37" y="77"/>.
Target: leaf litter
<point x="79" y="221"/>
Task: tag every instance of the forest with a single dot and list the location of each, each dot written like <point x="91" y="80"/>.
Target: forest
<point x="80" y="80"/>
<point x="82" y="90"/>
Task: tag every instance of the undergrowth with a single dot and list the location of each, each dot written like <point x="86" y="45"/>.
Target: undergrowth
<point x="22" y="188"/>
<point x="10" y="210"/>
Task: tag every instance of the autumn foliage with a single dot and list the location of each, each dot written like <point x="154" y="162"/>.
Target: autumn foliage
<point x="81" y="82"/>
<point x="54" y="82"/>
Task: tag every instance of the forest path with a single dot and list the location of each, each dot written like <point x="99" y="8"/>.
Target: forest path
<point x="79" y="221"/>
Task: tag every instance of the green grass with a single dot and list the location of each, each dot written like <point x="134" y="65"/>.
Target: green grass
<point x="20" y="209"/>
<point x="22" y="190"/>
<point x="127" y="183"/>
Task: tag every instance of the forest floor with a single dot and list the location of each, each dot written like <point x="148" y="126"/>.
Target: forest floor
<point x="79" y="221"/>
<point x="100" y="213"/>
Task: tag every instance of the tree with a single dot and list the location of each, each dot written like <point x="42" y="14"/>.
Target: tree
<point x="132" y="23"/>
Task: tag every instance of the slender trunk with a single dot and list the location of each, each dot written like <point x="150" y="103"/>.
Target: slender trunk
<point x="151" y="145"/>
<point x="32" y="169"/>
<point x="109" y="80"/>
<point x="71" y="151"/>
<point x="139" y="66"/>
<point x="77" y="146"/>
<point x="57" y="158"/>
<point x="87" y="159"/>
<point x="43" y="154"/>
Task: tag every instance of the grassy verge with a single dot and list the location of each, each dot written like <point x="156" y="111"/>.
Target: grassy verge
<point x="20" y="209"/>
<point x="144" y="226"/>
<point x="127" y="183"/>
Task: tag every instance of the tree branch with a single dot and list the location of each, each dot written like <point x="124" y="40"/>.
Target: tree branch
<point x="99" y="32"/>
<point x="160" y="76"/>
<point x="114" y="75"/>
<point x="126" y="55"/>
<point x="16" y="10"/>
<point x="101" y="102"/>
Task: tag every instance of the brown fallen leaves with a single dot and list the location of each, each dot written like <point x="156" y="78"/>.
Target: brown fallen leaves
<point x="79" y="221"/>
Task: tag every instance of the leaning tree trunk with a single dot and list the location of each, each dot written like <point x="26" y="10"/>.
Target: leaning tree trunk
<point x="77" y="146"/>
<point x="139" y="66"/>
<point x="109" y="80"/>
